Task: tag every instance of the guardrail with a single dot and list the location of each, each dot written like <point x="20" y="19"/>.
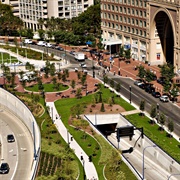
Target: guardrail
<point x="19" y="109"/>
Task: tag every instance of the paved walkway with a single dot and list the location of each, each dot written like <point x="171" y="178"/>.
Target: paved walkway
<point x="89" y="167"/>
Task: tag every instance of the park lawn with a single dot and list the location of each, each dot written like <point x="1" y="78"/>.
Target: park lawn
<point x="169" y="145"/>
<point x="64" y="106"/>
<point x="47" y="88"/>
<point x="6" y="58"/>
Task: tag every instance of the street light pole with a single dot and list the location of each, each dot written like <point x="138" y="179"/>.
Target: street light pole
<point x="143" y="159"/>
<point x="130" y="94"/>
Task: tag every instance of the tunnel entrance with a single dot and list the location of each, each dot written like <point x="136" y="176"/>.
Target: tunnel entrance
<point x="165" y="34"/>
<point x="105" y="129"/>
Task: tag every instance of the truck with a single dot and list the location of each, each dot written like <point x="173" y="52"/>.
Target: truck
<point x="79" y="56"/>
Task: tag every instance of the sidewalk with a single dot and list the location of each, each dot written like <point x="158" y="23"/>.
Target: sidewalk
<point x="89" y="167"/>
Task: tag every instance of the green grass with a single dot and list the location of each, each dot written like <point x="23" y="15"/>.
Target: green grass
<point x="104" y="154"/>
<point x="31" y="54"/>
<point x="6" y="58"/>
<point x="170" y="145"/>
<point x="47" y="88"/>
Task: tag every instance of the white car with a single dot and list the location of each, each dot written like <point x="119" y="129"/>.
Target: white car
<point x="164" y="98"/>
<point x="48" y="45"/>
<point x="28" y="41"/>
<point x="41" y="43"/>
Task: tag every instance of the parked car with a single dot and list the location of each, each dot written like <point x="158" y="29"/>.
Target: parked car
<point x="164" y="98"/>
<point x="138" y="82"/>
<point x="41" y="43"/>
<point x="4" y="168"/>
<point x="59" y="48"/>
<point x="48" y="45"/>
<point x="28" y="41"/>
<point x="142" y="86"/>
<point x="161" y="80"/>
<point x="10" y="138"/>
<point x="156" y="94"/>
<point x="72" y="52"/>
<point x="149" y="89"/>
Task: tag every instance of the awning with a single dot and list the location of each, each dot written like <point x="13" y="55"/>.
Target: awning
<point x="112" y="42"/>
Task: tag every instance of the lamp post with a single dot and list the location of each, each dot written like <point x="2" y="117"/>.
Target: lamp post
<point x="52" y="114"/>
<point x="119" y="67"/>
<point x="157" y="108"/>
<point x="130" y="94"/>
<point x="143" y="159"/>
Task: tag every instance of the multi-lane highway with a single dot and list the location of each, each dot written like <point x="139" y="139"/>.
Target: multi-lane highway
<point x="18" y="154"/>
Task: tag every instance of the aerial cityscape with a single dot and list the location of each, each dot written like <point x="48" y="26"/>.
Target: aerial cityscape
<point x="89" y="90"/>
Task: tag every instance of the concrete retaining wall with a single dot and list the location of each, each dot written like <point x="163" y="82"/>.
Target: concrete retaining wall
<point x="156" y="154"/>
<point x="20" y="110"/>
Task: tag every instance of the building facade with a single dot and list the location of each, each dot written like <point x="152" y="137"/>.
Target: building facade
<point x="32" y="10"/>
<point x="149" y="28"/>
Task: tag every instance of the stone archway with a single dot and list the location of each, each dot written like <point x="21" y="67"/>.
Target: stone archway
<point x="161" y="39"/>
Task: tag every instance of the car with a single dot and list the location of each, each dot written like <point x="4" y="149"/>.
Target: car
<point x="156" y="94"/>
<point x="83" y="65"/>
<point x="48" y="45"/>
<point x="59" y="48"/>
<point x="161" y="80"/>
<point x="10" y="138"/>
<point x="28" y="41"/>
<point x="138" y="82"/>
<point x="149" y="89"/>
<point x="4" y="168"/>
<point x="41" y="43"/>
<point x="142" y="86"/>
<point x="164" y="98"/>
<point x="72" y="53"/>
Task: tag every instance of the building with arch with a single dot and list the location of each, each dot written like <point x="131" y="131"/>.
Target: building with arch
<point x="149" y="27"/>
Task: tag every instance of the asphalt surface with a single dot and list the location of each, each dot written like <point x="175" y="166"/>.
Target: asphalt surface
<point x="18" y="154"/>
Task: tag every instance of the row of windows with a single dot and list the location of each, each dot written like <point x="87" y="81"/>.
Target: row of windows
<point x="125" y="10"/>
<point x="128" y="20"/>
<point x="125" y="28"/>
<point x="137" y="3"/>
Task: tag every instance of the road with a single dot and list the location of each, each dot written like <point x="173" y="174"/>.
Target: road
<point x="169" y="109"/>
<point x="19" y="154"/>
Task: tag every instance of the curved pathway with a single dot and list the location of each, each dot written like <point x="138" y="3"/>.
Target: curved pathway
<point x="89" y="167"/>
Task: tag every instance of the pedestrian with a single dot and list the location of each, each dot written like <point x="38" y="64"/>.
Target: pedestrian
<point x="56" y="116"/>
<point x="114" y="73"/>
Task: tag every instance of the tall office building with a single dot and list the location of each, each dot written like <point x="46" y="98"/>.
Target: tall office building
<point x="150" y="28"/>
<point x="32" y="10"/>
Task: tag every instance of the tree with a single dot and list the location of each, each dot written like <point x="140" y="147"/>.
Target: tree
<point x="83" y="79"/>
<point x="73" y="83"/>
<point x="77" y="110"/>
<point x="170" y="126"/>
<point x="118" y="87"/>
<point x="174" y="92"/>
<point x="105" y="79"/>
<point x="78" y="93"/>
<point x="149" y="76"/>
<point x="102" y="108"/>
<point x="153" y="112"/>
<point x="162" y="120"/>
<point x="141" y="72"/>
<point x="128" y="54"/>
<point x="142" y="107"/>
<point x="112" y="83"/>
<point x="66" y="71"/>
